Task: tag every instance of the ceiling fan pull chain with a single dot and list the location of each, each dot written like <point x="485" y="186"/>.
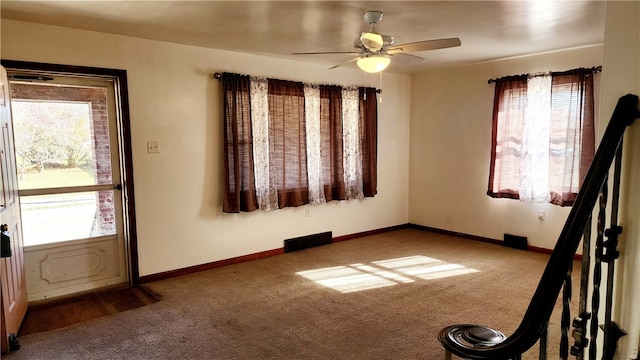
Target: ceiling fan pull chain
<point x="380" y="87"/>
<point x="365" y="81"/>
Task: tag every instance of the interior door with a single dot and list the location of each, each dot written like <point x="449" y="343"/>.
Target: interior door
<point x="13" y="284"/>
<point x="68" y="155"/>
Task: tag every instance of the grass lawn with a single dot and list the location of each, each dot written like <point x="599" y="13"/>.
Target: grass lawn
<point x="51" y="178"/>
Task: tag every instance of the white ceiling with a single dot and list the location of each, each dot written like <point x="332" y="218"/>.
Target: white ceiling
<point x="489" y="30"/>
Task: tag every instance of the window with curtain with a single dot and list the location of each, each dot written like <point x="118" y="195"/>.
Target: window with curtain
<point x="543" y="137"/>
<point x="289" y="143"/>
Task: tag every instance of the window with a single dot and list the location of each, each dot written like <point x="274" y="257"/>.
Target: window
<point x="291" y="144"/>
<point x="543" y="137"/>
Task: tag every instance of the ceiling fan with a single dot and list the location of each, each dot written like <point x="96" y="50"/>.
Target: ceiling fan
<point x="374" y="50"/>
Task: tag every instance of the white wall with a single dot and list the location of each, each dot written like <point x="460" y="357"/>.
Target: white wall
<point x="622" y="61"/>
<point x="174" y="100"/>
<point x="451" y="112"/>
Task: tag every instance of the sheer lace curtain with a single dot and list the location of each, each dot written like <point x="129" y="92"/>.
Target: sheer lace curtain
<point x="290" y="144"/>
<point x="352" y="152"/>
<point x="265" y="191"/>
<point x="534" y="163"/>
<point x="314" y="150"/>
<point x="543" y="137"/>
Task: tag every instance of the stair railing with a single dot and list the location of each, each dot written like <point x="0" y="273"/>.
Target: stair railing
<point x="480" y="342"/>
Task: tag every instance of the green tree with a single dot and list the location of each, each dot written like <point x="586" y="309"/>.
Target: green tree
<point x="52" y="132"/>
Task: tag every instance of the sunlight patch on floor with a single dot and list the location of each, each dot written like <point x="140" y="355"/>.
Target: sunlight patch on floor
<point x="358" y="277"/>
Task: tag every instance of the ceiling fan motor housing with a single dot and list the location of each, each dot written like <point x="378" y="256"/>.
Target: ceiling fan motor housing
<point x="372" y="17"/>
<point x="373" y="45"/>
<point x="373" y="41"/>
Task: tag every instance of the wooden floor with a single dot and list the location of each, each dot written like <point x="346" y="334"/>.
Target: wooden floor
<point x="44" y="317"/>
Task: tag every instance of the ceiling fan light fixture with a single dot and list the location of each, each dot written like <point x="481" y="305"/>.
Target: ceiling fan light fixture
<point x="374" y="63"/>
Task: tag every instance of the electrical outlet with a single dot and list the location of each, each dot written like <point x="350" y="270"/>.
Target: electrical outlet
<point x="307" y="212"/>
<point x="153" y="147"/>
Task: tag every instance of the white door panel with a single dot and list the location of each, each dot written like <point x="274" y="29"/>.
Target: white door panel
<point x="53" y="270"/>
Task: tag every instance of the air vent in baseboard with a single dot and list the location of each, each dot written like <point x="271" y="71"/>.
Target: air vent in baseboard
<point x="307" y="241"/>
<point x="516" y="242"/>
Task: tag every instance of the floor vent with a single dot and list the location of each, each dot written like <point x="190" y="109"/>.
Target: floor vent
<point x="516" y="242"/>
<point x="308" y="241"/>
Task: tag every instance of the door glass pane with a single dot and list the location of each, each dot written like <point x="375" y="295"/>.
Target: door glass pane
<point x="62" y="140"/>
<point x="61" y="217"/>
<point x="61" y="143"/>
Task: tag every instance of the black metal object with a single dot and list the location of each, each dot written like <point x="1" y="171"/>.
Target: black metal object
<point x="597" y="271"/>
<point x="566" y="316"/>
<point x="535" y="319"/>
<point x="612" y="333"/>
<point x="304" y="242"/>
<point x="5" y="242"/>
<point x="14" y="344"/>
<point x="611" y="330"/>
<point x="515" y="241"/>
<point x="579" y="333"/>
<point x="218" y="76"/>
<point x="542" y="354"/>
<point x="31" y="77"/>
<point x="595" y="69"/>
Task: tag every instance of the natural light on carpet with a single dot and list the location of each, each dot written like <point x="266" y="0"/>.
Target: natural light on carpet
<point x="358" y="277"/>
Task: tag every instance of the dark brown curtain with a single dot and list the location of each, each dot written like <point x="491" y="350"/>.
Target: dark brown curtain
<point x="287" y="142"/>
<point x="240" y="194"/>
<point x="509" y="103"/>
<point x="368" y="128"/>
<point x="572" y="142"/>
<point x="331" y="142"/>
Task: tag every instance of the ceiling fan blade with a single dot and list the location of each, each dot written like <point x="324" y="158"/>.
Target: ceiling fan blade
<point x="407" y="59"/>
<point x="325" y="52"/>
<point x="344" y="63"/>
<point x="424" y="45"/>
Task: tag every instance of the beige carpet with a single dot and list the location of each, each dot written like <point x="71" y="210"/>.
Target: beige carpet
<point x="384" y="296"/>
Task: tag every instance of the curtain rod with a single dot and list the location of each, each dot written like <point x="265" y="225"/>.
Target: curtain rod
<point x="595" y="69"/>
<point x="219" y="77"/>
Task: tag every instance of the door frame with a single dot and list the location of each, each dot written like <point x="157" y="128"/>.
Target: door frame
<point x="125" y="147"/>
